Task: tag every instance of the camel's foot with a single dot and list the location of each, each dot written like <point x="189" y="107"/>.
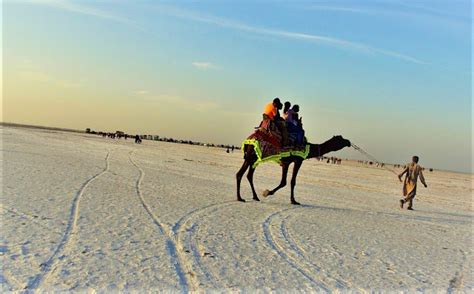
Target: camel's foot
<point x="255" y="198"/>
<point x="266" y="193"/>
<point x="294" y="202"/>
<point x="240" y="199"/>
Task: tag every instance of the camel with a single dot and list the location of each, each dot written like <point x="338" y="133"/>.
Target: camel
<point x="316" y="150"/>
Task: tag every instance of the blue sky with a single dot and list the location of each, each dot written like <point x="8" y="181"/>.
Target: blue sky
<point x="393" y="76"/>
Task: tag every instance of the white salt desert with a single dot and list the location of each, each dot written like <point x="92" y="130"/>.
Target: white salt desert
<point x="81" y="212"/>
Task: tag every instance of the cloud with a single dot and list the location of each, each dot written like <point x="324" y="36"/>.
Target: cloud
<point x="204" y="65"/>
<point x="341" y="9"/>
<point x="29" y="71"/>
<point x="43" y="77"/>
<point x="428" y="10"/>
<point x="80" y="9"/>
<point x="204" y="106"/>
<point x="227" y="23"/>
<point x="35" y="76"/>
<point x="179" y="102"/>
<point x="231" y="24"/>
<point x="420" y="13"/>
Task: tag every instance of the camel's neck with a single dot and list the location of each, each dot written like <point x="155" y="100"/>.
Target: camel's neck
<point x="318" y="150"/>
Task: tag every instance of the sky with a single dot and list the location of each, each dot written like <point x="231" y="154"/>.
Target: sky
<point x="394" y="77"/>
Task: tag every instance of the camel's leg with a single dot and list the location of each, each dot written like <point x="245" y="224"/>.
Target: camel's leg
<point x="250" y="178"/>
<point x="239" y="175"/>
<point x="296" y="168"/>
<point x="284" y="173"/>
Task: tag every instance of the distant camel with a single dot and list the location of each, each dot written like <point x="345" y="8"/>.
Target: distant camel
<point x="315" y="150"/>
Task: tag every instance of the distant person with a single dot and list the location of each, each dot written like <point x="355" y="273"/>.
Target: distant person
<point x="137" y="139"/>
<point x="413" y="171"/>
<point x="232" y="149"/>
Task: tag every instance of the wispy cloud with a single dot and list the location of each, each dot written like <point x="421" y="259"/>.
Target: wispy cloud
<point x="30" y="72"/>
<point x="141" y="92"/>
<point x="170" y="100"/>
<point x="424" y="9"/>
<point x="397" y="9"/>
<point x="227" y="23"/>
<point x="39" y="76"/>
<point x="204" y="65"/>
<point x="230" y="24"/>
<point x="341" y="9"/>
<point x="80" y="8"/>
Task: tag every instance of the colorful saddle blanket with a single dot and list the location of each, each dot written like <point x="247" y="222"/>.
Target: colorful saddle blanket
<point x="267" y="146"/>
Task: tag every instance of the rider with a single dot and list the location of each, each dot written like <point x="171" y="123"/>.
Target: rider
<point x="271" y="114"/>
<point x="271" y="109"/>
<point x="285" y="109"/>
<point x="294" y="124"/>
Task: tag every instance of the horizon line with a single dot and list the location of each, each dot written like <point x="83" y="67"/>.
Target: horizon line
<point x="42" y="127"/>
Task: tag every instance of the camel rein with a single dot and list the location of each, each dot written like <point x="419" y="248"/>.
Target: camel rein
<point x="363" y="152"/>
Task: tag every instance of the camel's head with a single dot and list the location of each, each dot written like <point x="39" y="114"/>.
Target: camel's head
<point x="339" y="142"/>
<point x="334" y="144"/>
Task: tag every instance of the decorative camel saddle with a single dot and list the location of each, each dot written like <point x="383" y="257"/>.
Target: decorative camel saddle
<point x="267" y="143"/>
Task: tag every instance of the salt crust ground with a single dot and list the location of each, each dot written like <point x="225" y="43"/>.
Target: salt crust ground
<point x="79" y="212"/>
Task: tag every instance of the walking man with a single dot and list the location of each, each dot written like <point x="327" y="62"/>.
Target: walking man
<point x="412" y="170"/>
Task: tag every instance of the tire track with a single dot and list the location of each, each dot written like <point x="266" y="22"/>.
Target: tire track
<point x="185" y="238"/>
<point x="341" y="285"/>
<point x="194" y="251"/>
<point x="8" y="282"/>
<point x="279" y="249"/>
<point x="294" y="255"/>
<point x="51" y="264"/>
<point x="344" y="285"/>
<point x="176" y="242"/>
<point x="178" y="258"/>
<point x="138" y="183"/>
<point x="184" y="219"/>
<point x="456" y="283"/>
<point x="302" y="261"/>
